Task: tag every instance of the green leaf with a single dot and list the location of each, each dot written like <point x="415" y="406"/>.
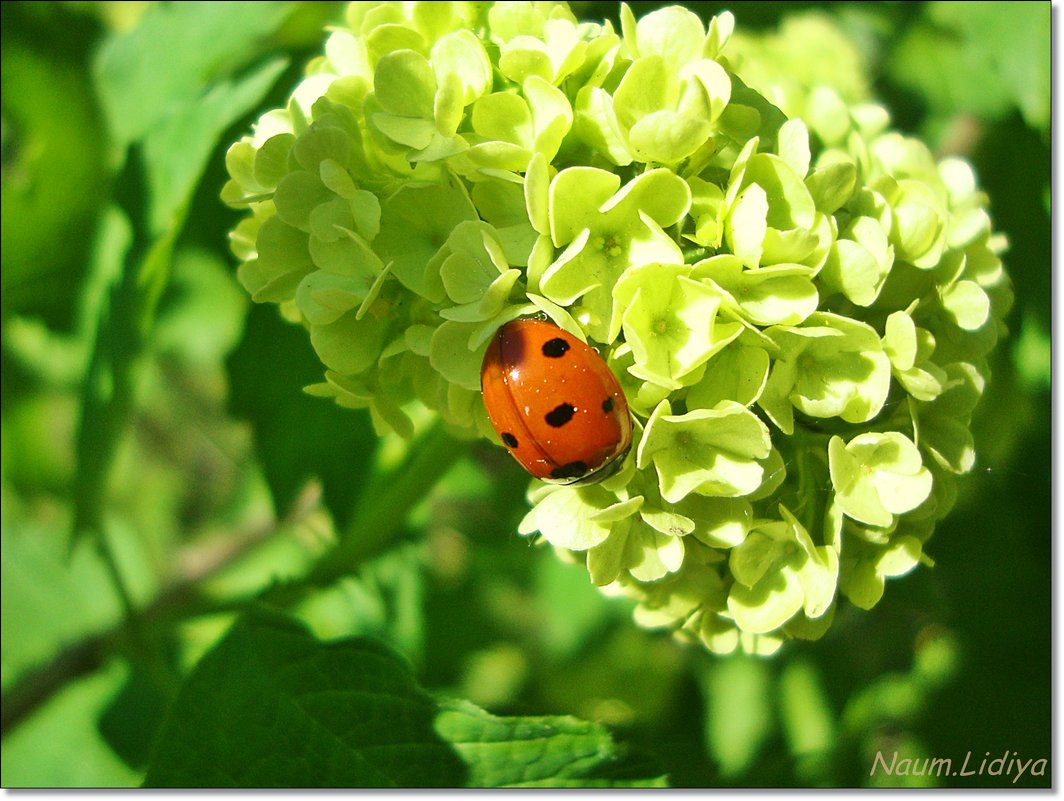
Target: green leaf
<point x="49" y="594"/>
<point x="271" y="706"/>
<point x="1032" y="352"/>
<point x="176" y="151"/>
<point x="141" y="85"/>
<point x="201" y="317"/>
<point x="106" y="387"/>
<point x="981" y="59"/>
<point x="572" y="610"/>
<point x="132" y="719"/>
<point x="738" y="716"/>
<point x="547" y="752"/>
<point x="267" y="372"/>
<point x="766" y="118"/>
<point x="179" y="136"/>
<point x="54" y="185"/>
<point x="806" y="716"/>
<point x="38" y="753"/>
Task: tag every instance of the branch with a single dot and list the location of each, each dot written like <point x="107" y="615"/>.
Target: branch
<point x="181" y="600"/>
<point x="383" y="509"/>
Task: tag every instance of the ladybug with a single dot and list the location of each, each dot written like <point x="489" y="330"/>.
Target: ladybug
<point x="554" y="403"/>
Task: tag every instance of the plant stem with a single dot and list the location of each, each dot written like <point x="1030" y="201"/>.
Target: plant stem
<point x="381" y="517"/>
<point x="181" y="600"/>
<point x="386" y="504"/>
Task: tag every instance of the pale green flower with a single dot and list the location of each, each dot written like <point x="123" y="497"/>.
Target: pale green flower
<point x="796" y="300"/>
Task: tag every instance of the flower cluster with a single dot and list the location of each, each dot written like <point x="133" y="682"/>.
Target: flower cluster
<point x="797" y="300"/>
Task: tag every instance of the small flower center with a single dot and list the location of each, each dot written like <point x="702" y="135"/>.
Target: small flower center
<point x="611" y="246"/>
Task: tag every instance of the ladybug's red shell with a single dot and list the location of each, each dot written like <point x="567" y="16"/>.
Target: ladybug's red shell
<point x="554" y="403"/>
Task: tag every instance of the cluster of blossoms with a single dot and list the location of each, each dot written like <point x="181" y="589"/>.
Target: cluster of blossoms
<point x="796" y="300"/>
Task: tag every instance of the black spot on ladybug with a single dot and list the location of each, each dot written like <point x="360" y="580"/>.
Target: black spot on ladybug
<point x="509" y="440"/>
<point x="555" y="348"/>
<point x="607" y="405"/>
<point x="571" y="470"/>
<point x="560" y="415"/>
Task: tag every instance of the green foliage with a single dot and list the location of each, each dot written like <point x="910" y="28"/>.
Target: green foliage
<point x="802" y="295"/>
<point x="739" y="715"/>
<point x="264" y="397"/>
<point x="271" y="706"/>
<point x="50" y="178"/>
<point x="40" y="753"/>
<point x="984" y="59"/>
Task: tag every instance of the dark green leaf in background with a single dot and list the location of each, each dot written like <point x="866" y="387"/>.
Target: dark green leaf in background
<point x="298" y="436"/>
<point x="53" y="182"/>
<point x="739" y="717"/>
<point x="158" y="98"/>
<point x="271" y="706"/>
<point x="807" y="720"/>
<point x="131" y="720"/>
<point x="979" y="58"/>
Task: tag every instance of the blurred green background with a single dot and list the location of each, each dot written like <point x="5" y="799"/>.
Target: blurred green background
<point x="161" y="464"/>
